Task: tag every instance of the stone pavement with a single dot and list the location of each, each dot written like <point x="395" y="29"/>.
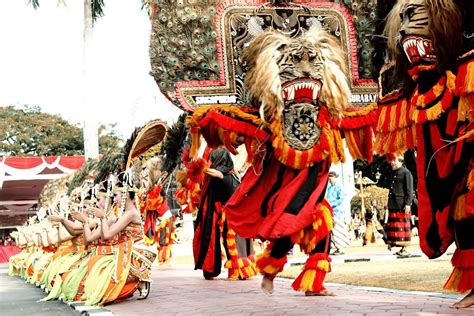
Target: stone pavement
<point x="181" y="291"/>
<point x="20" y="299"/>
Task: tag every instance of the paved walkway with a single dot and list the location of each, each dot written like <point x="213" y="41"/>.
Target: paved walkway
<point x="179" y="290"/>
<point x="182" y="291"/>
<point x="18" y="298"/>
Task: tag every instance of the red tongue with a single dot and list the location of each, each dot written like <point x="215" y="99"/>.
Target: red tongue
<point x="304" y="93"/>
<point x="413" y="54"/>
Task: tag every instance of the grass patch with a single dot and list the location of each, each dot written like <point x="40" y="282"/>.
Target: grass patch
<point x="417" y="274"/>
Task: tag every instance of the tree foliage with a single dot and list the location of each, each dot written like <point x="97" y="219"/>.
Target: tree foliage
<point x="29" y="132"/>
<point x="371" y="192"/>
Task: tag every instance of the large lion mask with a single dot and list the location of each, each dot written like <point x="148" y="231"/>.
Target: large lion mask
<point x="289" y="72"/>
<point x="425" y="31"/>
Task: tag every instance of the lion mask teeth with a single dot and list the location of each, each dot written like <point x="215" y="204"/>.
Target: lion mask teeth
<point x="418" y="48"/>
<point x="307" y="89"/>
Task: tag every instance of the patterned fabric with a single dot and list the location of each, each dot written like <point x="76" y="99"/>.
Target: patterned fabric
<point x="398" y="228"/>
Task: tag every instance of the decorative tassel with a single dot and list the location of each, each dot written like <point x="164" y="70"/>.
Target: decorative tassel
<point x="239" y="268"/>
<point x="314" y="271"/>
<point x="308" y="237"/>
<point x="268" y="265"/>
<point x="195" y="142"/>
<point x="168" y="226"/>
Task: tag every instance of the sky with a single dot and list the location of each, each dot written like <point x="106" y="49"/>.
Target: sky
<point x="41" y="63"/>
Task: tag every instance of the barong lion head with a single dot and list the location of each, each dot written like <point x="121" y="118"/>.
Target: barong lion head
<point x="289" y="72"/>
<point x="426" y="31"/>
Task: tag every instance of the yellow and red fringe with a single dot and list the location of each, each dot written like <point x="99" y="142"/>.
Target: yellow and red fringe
<point x="222" y="124"/>
<point x="443" y="91"/>
<point x="358" y="130"/>
<point x="238" y="267"/>
<point x="329" y="144"/>
<point x="188" y="193"/>
<point x="465" y="89"/>
<point x="311" y="279"/>
<point x="148" y="241"/>
<point x="268" y="265"/>
<point x="164" y="251"/>
<point x="395" y="130"/>
<point x="462" y="277"/>
<point x="308" y="237"/>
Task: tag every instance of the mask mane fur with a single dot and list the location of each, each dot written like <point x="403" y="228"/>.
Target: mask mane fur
<point x="265" y="84"/>
<point x="445" y="26"/>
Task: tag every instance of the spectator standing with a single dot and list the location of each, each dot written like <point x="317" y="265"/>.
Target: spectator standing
<point x="400" y="199"/>
<point x="335" y="197"/>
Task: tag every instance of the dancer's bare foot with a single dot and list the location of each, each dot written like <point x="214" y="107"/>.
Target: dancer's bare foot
<point x="267" y="285"/>
<point x="324" y="292"/>
<point x="466" y="302"/>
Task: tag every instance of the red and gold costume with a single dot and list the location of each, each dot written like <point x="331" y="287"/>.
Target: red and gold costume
<point x="292" y="126"/>
<point x="427" y="102"/>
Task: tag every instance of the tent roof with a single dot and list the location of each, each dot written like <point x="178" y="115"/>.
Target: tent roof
<point x="23" y="178"/>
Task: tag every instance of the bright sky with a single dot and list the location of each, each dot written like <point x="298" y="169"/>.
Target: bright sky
<point x="40" y="63"/>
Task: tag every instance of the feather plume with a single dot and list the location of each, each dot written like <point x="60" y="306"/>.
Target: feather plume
<point x="183" y="43"/>
<point x="174" y="143"/>
<point x="195" y="169"/>
<point x="111" y="163"/>
<point x="87" y="170"/>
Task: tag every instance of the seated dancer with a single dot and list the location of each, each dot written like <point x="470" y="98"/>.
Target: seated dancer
<point x="108" y="276"/>
<point x="17" y="261"/>
<point x="218" y="185"/>
<point x="299" y="87"/>
<point x="47" y="242"/>
<point x="41" y="252"/>
<point x="70" y="257"/>
<point x="75" y="277"/>
<point x="426" y="100"/>
<point x="123" y="262"/>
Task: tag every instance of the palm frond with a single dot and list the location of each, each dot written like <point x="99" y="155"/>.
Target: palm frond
<point x="97" y="9"/>
<point x="34" y="3"/>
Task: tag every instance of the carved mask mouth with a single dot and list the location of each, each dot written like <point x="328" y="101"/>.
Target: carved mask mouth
<point x="418" y="48"/>
<point x="301" y="90"/>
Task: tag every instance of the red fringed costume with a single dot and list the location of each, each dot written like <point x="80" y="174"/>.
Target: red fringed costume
<point x="432" y="111"/>
<point x="159" y="224"/>
<point x="281" y="197"/>
<point x="283" y="90"/>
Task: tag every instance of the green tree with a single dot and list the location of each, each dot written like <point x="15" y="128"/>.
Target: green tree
<point x="109" y="140"/>
<point x="29" y="132"/>
<point x="93" y="9"/>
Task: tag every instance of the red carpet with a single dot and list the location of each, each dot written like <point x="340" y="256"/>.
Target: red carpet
<point x="7" y="251"/>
